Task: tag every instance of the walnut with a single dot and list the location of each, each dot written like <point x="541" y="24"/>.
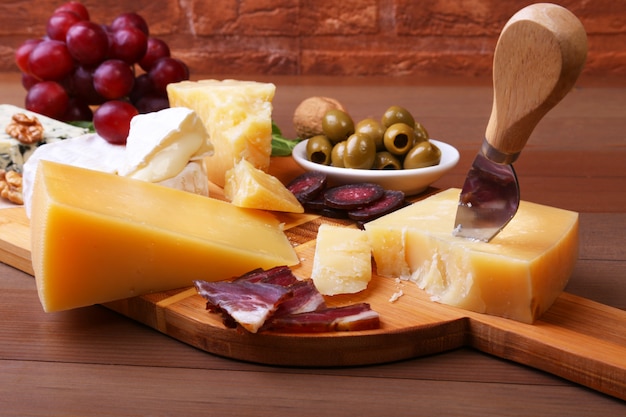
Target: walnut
<point x="11" y="186"/>
<point x="307" y="118"/>
<point x="27" y="129"/>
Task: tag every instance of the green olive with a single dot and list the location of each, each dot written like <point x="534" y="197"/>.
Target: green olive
<point x="337" y="125"/>
<point x="399" y="138"/>
<point x="397" y="114"/>
<point x="386" y="160"/>
<point x="424" y="154"/>
<point x="360" y="152"/>
<point x="373" y="128"/>
<point x="318" y="149"/>
<point x="421" y="134"/>
<point x="336" y="157"/>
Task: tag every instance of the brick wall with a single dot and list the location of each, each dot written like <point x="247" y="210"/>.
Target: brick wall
<point x="330" y="37"/>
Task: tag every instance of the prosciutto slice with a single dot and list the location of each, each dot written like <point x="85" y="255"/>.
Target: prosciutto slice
<point x="247" y="303"/>
<point x="277" y="300"/>
<point x="348" y="318"/>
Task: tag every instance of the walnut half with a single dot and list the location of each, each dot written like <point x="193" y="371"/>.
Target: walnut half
<point x="27" y="129"/>
<point x="11" y="186"/>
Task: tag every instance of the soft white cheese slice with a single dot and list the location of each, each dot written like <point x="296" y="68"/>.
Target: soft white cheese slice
<point x="160" y="144"/>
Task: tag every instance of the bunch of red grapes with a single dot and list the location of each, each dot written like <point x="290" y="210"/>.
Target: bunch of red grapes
<point x="118" y="69"/>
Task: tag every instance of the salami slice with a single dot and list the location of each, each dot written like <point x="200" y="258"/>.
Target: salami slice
<point x="308" y="186"/>
<point x="352" y="196"/>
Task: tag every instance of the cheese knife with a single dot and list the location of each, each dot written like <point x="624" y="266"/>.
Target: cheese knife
<point x="537" y="60"/>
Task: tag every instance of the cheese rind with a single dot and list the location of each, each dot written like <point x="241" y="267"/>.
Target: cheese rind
<point x="342" y="263"/>
<point x="237" y="116"/>
<point x="98" y="237"/>
<point x="517" y="275"/>
<point x="161" y="144"/>
<point x="249" y="187"/>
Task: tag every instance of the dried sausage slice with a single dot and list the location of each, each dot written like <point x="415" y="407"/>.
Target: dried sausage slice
<point x="307" y="186"/>
<point x="352" y="196"/>
<point x="390" y="201"/>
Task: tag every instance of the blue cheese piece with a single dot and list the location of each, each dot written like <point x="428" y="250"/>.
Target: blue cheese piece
<point x="13" y="153"/>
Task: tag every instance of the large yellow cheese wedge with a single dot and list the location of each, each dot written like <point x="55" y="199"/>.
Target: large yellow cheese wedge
<point x="517" y="275"/>
<point x="237" y="116"/>
<point x="342" y="263"/>
<point x="98" y="237"/>
<point x="249" y="187"/>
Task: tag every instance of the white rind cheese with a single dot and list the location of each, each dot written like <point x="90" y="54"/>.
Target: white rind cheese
<point x="160" y="144"/>
<point x="13" y="153"/>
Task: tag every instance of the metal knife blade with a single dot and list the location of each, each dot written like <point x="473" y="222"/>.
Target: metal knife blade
<point x="538" y="57"/>
<point x="489" y="199"/>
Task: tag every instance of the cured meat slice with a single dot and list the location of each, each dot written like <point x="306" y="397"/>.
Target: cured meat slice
<point x="247" y="303"/>
<point x="277" y="300"/>
<point x="307" y="186"/>
<point x="390" y="201"/>
<point x="352" y="196"/>
<point x="348" y="318"/>
<point x="305" y="298"/>
<point x="279" y="275"/>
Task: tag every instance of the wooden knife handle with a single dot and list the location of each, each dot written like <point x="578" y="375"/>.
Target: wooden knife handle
<point x="538" y="58"/>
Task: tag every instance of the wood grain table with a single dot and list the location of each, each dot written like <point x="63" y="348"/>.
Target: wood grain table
<point x="92" y="361"/>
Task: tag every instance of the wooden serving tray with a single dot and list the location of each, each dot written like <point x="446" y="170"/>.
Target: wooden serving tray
<point x="577" y="339"/>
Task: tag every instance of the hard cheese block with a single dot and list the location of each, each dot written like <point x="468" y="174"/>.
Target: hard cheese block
<point x="98" y="237"/>
<point x="517" y="275"/>
<point x="247" y="186"/>
<point x="237" y="116"/>
<point x="342" y="263"/>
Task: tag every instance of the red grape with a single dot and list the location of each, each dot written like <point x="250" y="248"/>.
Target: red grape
<point x="77" y="110"/>
<point x="75" y="7"/>
<point x="168" y="70"/>
<point x="28" y="81"/>
<point x="23" y="52"/>
<point x="113" y="79"/>
<point x="50" y="60"/>
<point x="112" y="120"/>
<point x="59" y="23"/>
<point x="128" y="44"/>
<point x="143" y="86"/>
<point x="152" y="102"/>
<point x="156" y="49"/>
<point x="126" y="20"/>
<point x="87" y="42"/>
<point x="48" y="98"/>
<point x="83" y="88"/>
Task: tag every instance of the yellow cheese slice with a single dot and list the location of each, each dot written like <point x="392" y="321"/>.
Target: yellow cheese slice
<point x="517" y="275"/>
<point x="98" y="237"/>
<point x="247" y="186"/>
<point x="342" y="262"/>
<point x="237" y="116"/>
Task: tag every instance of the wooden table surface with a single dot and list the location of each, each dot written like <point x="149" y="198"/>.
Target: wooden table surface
<point x="92" y="361"/>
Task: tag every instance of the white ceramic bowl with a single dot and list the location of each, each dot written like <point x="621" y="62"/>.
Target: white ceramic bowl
<point x="410" y="181"/>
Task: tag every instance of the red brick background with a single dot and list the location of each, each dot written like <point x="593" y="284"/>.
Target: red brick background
<point x="330" y="37"/>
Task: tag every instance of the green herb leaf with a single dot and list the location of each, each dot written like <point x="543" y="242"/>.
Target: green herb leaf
<point x="281" y="146"/>
<point x="84" y="124"/>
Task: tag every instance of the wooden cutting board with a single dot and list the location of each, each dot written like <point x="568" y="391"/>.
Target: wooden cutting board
<point x="577" y="339"/>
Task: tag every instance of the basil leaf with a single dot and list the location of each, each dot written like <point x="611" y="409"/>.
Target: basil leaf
<point x="281" y="146"/>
